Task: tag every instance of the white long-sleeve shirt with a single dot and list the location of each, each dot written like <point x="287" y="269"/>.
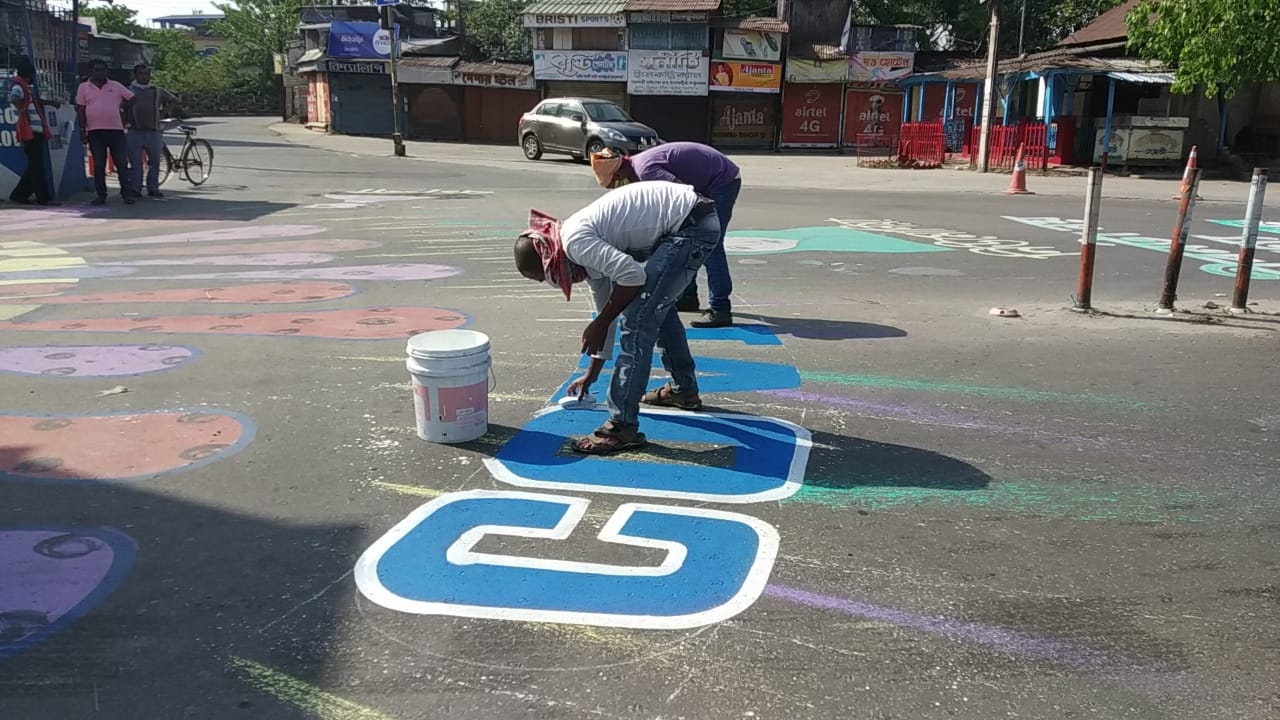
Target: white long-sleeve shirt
<point x="613" y="235"/>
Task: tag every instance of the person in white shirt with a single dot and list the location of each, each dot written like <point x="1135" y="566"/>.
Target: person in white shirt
<point x="637" y="247"/>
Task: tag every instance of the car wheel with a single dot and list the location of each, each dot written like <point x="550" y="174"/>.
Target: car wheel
<point x="594" y="145"/>
<point x="532" y="147"/>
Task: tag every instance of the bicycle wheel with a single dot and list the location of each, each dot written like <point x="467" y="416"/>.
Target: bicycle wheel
<point x="197" y="161"/>
<point x="167" y="167"/>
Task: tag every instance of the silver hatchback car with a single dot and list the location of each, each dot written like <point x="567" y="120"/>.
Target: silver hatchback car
<point x="581" y="126"/>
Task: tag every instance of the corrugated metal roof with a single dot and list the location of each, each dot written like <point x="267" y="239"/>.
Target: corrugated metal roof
<point x="435" y="63"/>
<point x="1108" y="26"/>
<point x="1050" y="61"/>
<point x="1152" y="78"/>
<point x="763" y="24"/>
<point x="672" y="5"/>
<point x="575" y="7"/>
<point x="495" y="68"/>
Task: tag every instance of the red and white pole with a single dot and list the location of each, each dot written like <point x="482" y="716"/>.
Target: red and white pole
<point x="1249" y="240"/>
<point x="1178" y="244"/>
<point x="1089" y="242"/>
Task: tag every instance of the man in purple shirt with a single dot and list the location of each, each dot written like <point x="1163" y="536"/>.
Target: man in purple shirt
<point x="712" y="175"/>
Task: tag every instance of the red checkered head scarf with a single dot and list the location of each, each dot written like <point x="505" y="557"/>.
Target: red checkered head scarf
<point x="558" y="269"/>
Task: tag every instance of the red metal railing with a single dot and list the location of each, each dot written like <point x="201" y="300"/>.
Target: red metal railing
<point x="922" y="143"/>
<point x="1004" y="143"/>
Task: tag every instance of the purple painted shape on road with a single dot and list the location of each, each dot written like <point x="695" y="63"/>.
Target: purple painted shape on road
<point x="943" y="418"/>
<point x="53" y="576"/>
<point x="397" y="271"/>
<point x="1013" y="642"/>
<point x="93" y="360"/>
<point x="242" y="232"/>
<point x="270" y="259"/>
<point x="80" y="271"/>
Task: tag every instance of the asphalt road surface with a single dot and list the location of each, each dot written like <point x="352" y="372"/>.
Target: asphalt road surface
<point x="901" y="506"/>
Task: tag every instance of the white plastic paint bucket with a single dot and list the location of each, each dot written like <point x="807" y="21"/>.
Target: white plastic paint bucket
<point x="450" y="370"/>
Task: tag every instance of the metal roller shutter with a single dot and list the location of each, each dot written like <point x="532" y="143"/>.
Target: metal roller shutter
<point x="615" y="92"/>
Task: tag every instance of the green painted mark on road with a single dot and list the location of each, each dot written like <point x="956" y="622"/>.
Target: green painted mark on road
<point x="886" y="382"/>
<point x="819" y="239"/>
<point x="302" y="695"/>
<point x="1143" y="503"/>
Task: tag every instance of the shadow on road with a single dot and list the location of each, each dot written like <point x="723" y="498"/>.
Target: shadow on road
<point x="195" y="587"/>
<point x="819" y="329"/>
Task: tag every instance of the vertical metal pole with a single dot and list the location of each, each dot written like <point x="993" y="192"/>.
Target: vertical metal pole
<point x="920" y="103"/>
<point x="1089" y="241"/>
<point x="989" y="101"/>
<point x="1022" y="26"/>
<point x="1178" y="244"/>
<point x="1249" y="240"/>
<point x="1106" y="133"/>
<point x="396" y="138"/>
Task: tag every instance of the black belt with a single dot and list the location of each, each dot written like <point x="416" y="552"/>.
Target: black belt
<point x="705" y="207"/>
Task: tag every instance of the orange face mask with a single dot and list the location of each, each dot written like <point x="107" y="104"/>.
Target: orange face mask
<point x="605" y="166"/>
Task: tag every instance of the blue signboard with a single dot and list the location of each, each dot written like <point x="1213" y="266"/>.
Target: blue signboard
<point x="365" y="40"/>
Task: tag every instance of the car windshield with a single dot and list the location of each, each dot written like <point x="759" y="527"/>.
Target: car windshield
<point x="606" y="112"/>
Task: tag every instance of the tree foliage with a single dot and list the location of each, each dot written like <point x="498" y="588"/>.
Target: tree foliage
<point x="179" y="67"/>
<point x="497" y="29"/>
<point x="1218" y="44"/>
<point x="116" y="19"/>
<point x="255" y="29"/>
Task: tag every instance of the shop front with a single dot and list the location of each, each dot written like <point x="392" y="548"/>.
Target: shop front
<point x="668" y="90"/>
<point x="812" y="103"/>
<point x="359" y="97"/>
<point x="495" y="95"/>
<point x="744" y="103"/>
<point x="872" y="118"/>
<point x="434" y="103"/>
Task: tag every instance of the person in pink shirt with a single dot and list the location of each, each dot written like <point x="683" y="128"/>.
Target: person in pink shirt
<point x="100" y="103"/>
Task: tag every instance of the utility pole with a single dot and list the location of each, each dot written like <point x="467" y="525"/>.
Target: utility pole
<point x="397" y="138"/>
<point x="1022" y="26"/>
<point x="992" y="90"/>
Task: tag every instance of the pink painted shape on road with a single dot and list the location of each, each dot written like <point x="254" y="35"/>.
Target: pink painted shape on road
<point x="269" y="259"/>
<point x="363" y="324"/>
<point x="279" y="246"/>
<point x="397" y="271"/>
<point x="239" y="232"/>
<point x="257" y="293"/>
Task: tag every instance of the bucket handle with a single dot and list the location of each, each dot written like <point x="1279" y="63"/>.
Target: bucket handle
<point x="493" y="377"/>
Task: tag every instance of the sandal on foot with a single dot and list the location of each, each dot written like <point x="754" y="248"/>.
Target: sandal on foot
<point x="607" y="440"/>
<point x="666" y="397"/>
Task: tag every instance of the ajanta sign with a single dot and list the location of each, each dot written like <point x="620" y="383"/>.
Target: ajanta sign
<point x="734" y="76"/>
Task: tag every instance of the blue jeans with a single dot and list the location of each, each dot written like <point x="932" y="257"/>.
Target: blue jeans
<point x="100" y="142"/>
<point x="719" y="282"/>
<point x="652" y="319"/>
<point x="153" y="143"/>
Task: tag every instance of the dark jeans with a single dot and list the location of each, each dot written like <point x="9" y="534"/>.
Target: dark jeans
<point x="33" y="181"/>
<point x="652" y="319"/>
<point x="100" y="142"/>
<point x="719" y="281"/>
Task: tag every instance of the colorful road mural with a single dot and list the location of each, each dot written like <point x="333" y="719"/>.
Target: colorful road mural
<point x="119" y="446"/>
<point x="94" y="361"/>
<point x="390" y="271"/>
<point x="254" y="294"/>
<point x="363" y="324"/>
<point x="64" y="573"/>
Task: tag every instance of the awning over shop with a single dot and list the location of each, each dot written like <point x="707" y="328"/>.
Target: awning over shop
<point x="1154" y="78"/>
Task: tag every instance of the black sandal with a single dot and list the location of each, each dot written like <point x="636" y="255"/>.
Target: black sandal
<point x="606" y="440"/>
<point x="665" y="396"/>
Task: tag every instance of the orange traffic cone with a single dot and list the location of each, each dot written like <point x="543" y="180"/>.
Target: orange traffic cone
<point x="1018" y="184"/>
<point x="1186" y="175"/>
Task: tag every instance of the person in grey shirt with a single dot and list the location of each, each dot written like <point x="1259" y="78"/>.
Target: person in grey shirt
<point x="150" y="106"/>
<point x="637" y="248"/>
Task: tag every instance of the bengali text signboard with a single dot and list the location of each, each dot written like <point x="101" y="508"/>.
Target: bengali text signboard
<point x="591" y="65"/>
<point x="667" y="72"/>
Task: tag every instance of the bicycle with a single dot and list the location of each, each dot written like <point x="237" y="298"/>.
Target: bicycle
<point x="195" y="160"/>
